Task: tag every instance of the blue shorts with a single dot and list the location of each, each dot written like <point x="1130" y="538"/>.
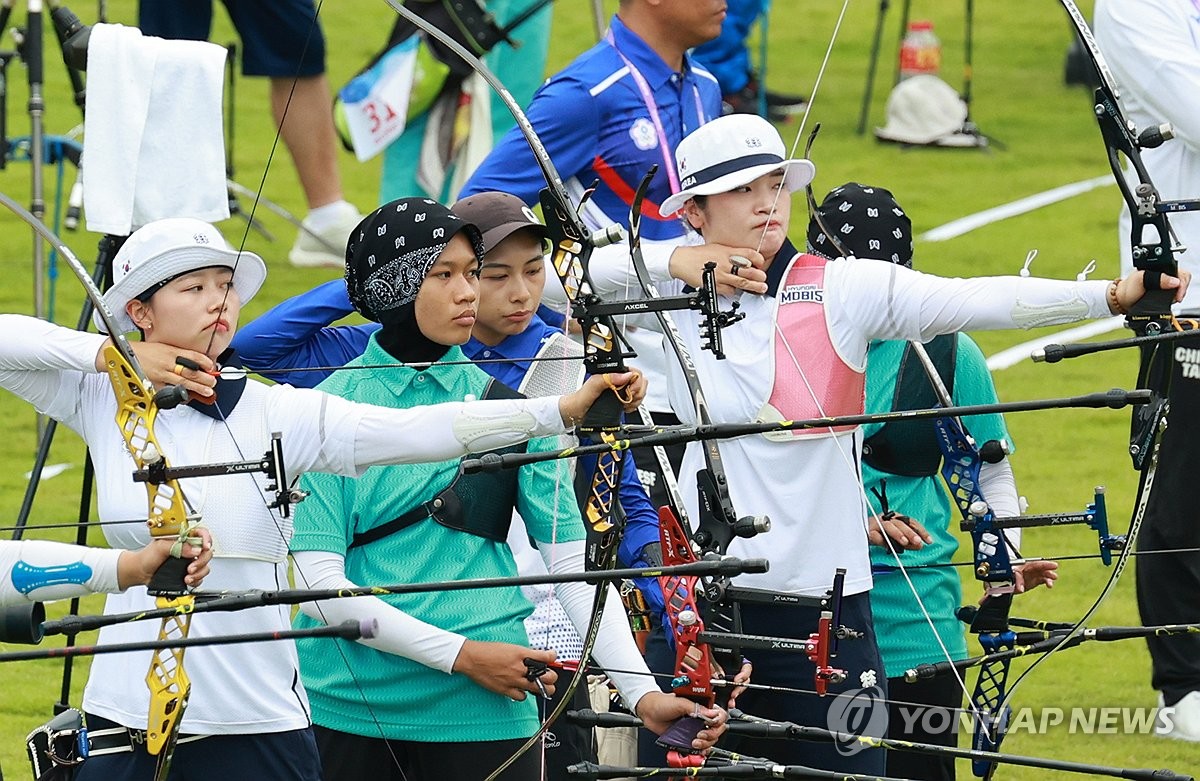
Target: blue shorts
<point x="280" y="38"/>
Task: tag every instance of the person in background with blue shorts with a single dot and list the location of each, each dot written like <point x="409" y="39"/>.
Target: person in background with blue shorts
<point x="282" y="40"/>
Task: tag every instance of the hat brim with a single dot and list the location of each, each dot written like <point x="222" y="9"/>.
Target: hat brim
<point x="950" y="138"/>
<point x="797" y="174"/>
<point x="501" y="232"/>
<point x="249" y="274"/>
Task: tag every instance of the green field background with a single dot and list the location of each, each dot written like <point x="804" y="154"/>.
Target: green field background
<point x="1049" y="139"/>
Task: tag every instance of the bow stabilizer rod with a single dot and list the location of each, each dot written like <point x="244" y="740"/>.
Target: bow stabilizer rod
<point x="1113" y="399"/>
<point x="226" y="602"/>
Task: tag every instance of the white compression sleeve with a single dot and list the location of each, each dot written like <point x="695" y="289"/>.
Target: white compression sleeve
<point x="39" y="570"/>
<point x="615" y="648"/>
<point x="399" y="633"/>
<point x="997" y="483"/>
<point x="443" y="431"/>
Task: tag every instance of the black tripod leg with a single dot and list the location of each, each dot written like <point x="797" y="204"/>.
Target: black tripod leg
<point x="968" y="56"/>
<point x="904" y="14"/>
<point x="85" y="508"/>
<point x="869" y="90"/>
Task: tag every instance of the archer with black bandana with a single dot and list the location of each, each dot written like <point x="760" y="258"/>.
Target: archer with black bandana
<point x="445" y="677"/>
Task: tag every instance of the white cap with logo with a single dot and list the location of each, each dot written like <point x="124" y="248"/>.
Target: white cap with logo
<point x="164" y="249"/>
<point x="729" y="152"/>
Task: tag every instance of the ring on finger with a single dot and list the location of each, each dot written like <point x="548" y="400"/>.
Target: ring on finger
<point x="179" y="367"/>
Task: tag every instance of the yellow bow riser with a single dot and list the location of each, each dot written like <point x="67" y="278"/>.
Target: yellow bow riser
<point x="167" y="517"/>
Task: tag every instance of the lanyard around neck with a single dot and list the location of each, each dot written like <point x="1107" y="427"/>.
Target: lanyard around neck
<point x="652" y="108"/>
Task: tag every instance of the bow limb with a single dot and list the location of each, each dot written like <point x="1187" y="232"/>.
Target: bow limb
<point x="694" y="667"/>
<point x="1151" y="241"/>
<point x="168" y="514"/>
<point x="717" y="524"/>
<point x="962" y="463"/>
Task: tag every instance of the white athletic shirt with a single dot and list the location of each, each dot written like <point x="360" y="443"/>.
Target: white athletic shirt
<point x="811" y="487"/>
<point x="245" y="688"/>
<point x="1153" y="50"/>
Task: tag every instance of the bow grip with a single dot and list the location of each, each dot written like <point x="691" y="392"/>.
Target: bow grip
<point x="167" y="580"/>
<point x="605" y="412"/>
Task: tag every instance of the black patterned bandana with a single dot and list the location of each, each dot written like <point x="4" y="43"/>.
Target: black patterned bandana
<point x="392" y="250"/>
<point x="862" y="221"/>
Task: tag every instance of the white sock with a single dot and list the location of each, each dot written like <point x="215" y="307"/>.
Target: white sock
<point x="330" y="215"/>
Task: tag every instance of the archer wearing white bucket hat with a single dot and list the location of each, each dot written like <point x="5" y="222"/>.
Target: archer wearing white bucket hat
<point x="182" y="286"/>
<point x="165" y="249"/>
<point x="729" y="152"/>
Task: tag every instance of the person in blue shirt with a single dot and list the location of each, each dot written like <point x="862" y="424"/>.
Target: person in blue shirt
<point x="295" y="343"/>
<point x="728" y="58"/>
<point x="619" y="108"/>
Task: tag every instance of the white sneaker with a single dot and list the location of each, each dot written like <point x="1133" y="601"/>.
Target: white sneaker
<point x="1180" y="721"/>
<point x="325" y="247"/>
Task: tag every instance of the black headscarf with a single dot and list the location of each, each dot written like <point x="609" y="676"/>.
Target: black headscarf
<point x="387" y="258"/>
<point x="865" y="221"/>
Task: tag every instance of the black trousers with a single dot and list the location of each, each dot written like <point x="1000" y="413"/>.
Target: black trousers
<point x="346" y="757"/>
<point x="923" y="712"/>
<point x="1168" y="584"/>
<point x="282" y="756"/>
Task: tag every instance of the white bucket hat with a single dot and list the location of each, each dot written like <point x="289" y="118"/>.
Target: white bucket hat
<point x="925" y="110"/>
<point x="729" y="152"/>
<point x="163" y="250"/>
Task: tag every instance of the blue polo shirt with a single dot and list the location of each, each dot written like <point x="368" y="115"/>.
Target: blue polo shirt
<point x="293" y="337"/>
<point x="595" y="125"/>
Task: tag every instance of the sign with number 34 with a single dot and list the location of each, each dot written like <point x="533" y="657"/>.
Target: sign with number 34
<point x="376" y="101"/>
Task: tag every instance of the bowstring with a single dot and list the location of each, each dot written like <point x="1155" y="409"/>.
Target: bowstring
<point x="229" y="431"/>
<point x="837" y="439"/>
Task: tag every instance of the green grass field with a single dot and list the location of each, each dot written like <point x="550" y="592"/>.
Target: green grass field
<point x="1050" y="139"/>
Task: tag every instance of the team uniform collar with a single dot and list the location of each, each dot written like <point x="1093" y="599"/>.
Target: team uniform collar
<point x="518" y="348"/>
<point x="653" y="68"/>
<point x="399" y="379"/>
<point x="779" y="265"/>
<point x="228" y="391"/>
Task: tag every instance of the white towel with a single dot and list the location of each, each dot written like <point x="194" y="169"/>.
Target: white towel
<point x="152" y="131"/>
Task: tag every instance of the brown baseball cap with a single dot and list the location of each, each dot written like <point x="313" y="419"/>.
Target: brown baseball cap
<point x="498" y="216"/>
